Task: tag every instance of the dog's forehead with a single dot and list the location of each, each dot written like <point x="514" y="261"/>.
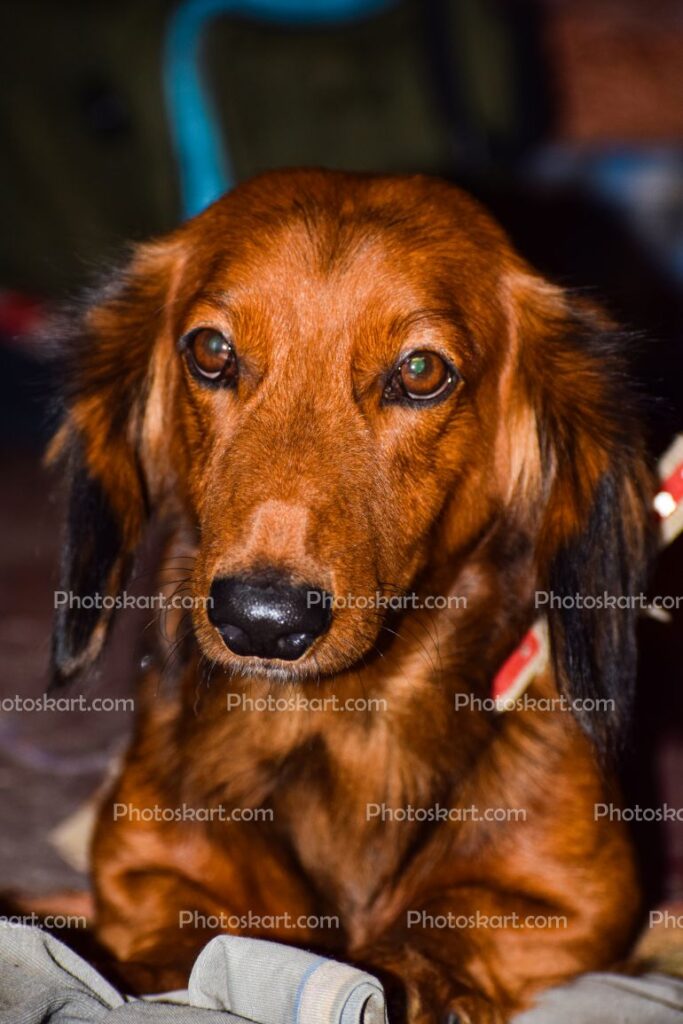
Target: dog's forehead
<point x="329" y="222"/>
<point x="351" y="256"/>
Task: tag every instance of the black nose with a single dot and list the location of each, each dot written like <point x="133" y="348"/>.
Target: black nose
<point x="268" y="617"/>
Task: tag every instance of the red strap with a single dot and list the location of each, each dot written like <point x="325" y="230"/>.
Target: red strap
<point x="673" y="484"/>
<point x="520" y="658"/>
<point x="531" y="657"/>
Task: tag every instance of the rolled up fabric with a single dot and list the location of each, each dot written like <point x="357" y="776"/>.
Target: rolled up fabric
<point x="238" y="980"/>
<point x="235" y="980"/>
<point x="275" y="984"/>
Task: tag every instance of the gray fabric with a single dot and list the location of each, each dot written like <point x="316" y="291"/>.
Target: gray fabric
<point x="239" y="981"/>
<point x="234" y="980"/>
<point x="273" y="984"/>
<point x="610" y="999"/>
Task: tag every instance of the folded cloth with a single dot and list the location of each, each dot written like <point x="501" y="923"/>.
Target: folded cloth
<point x="234" y="981"/>
<point x="275" y="984"/>
<point x="238" y="980"/>
<point x="42" y="980"/>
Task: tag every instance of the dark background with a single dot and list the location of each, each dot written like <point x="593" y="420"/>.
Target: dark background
<point x="566" y="118"/>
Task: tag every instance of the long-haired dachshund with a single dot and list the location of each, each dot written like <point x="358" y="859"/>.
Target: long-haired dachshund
<point x="350" y="402"/>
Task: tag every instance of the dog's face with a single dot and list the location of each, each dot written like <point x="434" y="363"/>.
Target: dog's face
<point x="340" y="384"/>
<point x="329" y="390"/>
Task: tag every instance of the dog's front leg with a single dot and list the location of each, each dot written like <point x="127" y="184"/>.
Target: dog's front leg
<point x="479" y="955"/>
<point x="163" y="890"/>
<point x="422" y="988"/>
<point x="147" y="921"/>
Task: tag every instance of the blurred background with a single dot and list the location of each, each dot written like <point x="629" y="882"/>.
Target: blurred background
<point x="121" y="117"/>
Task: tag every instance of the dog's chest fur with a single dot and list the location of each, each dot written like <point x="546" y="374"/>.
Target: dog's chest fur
<point x="328" y="779"/>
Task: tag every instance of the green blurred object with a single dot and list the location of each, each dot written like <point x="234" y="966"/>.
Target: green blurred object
<point x="87" y="156"/>
<point x="88" y="162"/>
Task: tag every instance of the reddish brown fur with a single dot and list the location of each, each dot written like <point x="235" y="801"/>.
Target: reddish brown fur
<point x="324" y="280"/>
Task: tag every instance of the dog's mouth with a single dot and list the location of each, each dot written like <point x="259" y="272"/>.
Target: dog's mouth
<point x="321" y="660"/>
<point x="266" y="626"/>
<point x="279" y="673"/>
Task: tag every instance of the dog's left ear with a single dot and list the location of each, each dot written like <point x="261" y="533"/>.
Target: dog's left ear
<point x="112" y="446"/>
<point x="589" y="493"/>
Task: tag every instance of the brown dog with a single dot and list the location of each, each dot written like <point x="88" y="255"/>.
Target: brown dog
<point x="330" y="387"/>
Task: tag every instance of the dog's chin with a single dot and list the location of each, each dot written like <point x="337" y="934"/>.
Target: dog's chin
<point x="262" y="668"/>
<point x="316" y="665"/>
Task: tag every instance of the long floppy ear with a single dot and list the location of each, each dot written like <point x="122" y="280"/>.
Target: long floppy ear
<point x="593" y="522"/>
<point x="110" y="445"/>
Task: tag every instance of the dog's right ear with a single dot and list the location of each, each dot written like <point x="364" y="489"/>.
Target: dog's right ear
<point x="112" y="445"/>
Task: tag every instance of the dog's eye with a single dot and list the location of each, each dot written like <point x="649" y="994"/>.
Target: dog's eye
<point x="210" y="356"/>
<point x="421" y="376"/>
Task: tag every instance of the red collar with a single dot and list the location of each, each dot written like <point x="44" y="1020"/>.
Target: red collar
<point x="531" y="657"/>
